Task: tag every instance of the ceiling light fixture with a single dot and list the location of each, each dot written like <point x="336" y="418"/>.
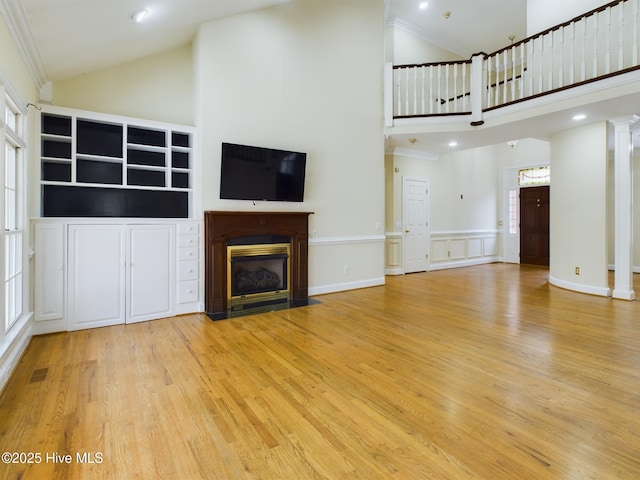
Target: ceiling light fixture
<point x="446" y="15"/>
<point x="453" y="143"/>
<point x="423" y="5"/>
<point x="579" y="116"/>
<point x="139" y="15"/>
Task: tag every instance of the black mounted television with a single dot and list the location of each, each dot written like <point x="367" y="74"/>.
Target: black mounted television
<point x="258" y="173"/>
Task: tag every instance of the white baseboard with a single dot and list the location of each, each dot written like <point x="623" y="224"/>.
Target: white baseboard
<point x="462" y="263"/>
<point x="341" y="287"/>
<point x="394" y="271"/>
<point x="578" y="287"/>
<point x="12" y="351"/>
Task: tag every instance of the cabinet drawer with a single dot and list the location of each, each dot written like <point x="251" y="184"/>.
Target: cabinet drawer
<point x="188" y="253"/>
<point x="187" y="240"/>
<point x="188" y="292"/>
<point x="188" y="228"/>
<point x="188" y="270"/>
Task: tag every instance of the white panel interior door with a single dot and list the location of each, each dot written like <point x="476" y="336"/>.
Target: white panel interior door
<point x="415" y="215"/>
<point x="150" y="272"/>
<point x="96" y="276"/>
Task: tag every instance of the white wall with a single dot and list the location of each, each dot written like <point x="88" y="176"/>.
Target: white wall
<point x="404" y="47"/>
<point x="543" y="14"/>
<point x="472" y="174"/>
<point x="304" y="76"/>
<point x="158" y="87"/>
<point x="578" y="220"/>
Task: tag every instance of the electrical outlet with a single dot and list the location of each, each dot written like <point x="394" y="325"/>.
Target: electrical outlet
<point x="577" y="270"/>
<point x="346" y="269"/>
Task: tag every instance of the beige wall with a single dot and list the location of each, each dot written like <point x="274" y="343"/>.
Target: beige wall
<point x="578" y="220"/>
<point x="13" y="69"/>
<point x="304" y="76"/>
<point x="158" y="87"/>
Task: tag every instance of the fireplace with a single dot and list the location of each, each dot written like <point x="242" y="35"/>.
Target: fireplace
<point x="257" y="276"/>
<point x="266" y="252"/>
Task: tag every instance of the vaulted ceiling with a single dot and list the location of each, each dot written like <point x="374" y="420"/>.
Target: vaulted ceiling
<point x="72" y="37"/>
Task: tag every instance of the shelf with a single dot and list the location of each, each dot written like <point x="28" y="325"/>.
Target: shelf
<point x="97" y="138"/>
<point x="56" y="125"/>
<point x="180" y="139"/>
<point x="146" y="157"/>
<point x="91" y="171"/>
<point x="145" y="136"/>
<point x="56" y="149"/>
<point x="102" y="165"/>
<point x="56" y="171"/>
<point x="148" y="178"/>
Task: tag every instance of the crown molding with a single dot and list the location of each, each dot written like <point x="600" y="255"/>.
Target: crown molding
<point x="408" y="152"/>
<point x="18" y="24"/>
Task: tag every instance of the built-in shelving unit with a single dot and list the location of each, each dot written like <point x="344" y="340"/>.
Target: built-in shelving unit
<point x="94" y="165"/>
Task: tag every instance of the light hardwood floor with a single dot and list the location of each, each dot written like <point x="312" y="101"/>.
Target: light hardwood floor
<point x="475" y="373"/>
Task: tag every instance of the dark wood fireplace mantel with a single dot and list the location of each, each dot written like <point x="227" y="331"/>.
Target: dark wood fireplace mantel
<point x="220" y="228"/>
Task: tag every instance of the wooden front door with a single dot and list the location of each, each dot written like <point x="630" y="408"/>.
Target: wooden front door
<point x="534" y="225"/>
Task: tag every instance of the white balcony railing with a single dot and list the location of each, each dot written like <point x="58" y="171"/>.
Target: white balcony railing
<point x="596" y="45"/>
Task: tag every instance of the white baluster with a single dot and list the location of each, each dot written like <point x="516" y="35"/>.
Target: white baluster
<point x="439" y="75"/>
<point x="530" y="68"/>
<point x="415" y="90"/>
<point x="594" y="72"/>
<point x="561" y="57"/>
<point x="430" y="89"/>
<point x="446" y="88"/>
<point x="422" y="89"/>
<point x="397" y="83"/>
<point x="489" y="92"/>
<point x="497" y="80"/>
<point x="607" y="53"/>
<point x="634" y="49"/>
<point x="406" y="89"/>
<point x="550" y="55"/>
<point x="572" y="57"/>
<point x="584" y="21"/>
<point x="620" y="8"/>
<point x="463" y="104"/>
<point x="522" y="72"/>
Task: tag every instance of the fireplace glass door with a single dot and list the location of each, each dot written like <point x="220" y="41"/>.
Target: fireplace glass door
<point x="257" y="275"/>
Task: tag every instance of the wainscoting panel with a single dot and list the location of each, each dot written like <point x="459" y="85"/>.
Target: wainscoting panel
<point x="463" y="248"/>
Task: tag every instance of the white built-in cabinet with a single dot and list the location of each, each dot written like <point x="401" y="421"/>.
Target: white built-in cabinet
<point x="97" y="274"/>
<point x="116" y="240"/>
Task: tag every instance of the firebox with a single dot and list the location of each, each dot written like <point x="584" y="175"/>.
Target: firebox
<point x="258" y="277"/>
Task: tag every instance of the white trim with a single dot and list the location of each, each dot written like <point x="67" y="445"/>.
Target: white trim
<point x="464" y="233"/>
<point x="577" y="287"/>
<point x="394" y="271"/>
<point x="341" y="287"/>
<point x="462" y="263"/>
<point x="346" y="240"/>
<point x="408" y="152"/>
<point x="13" y="346"/>
<point x="18" y="24"/>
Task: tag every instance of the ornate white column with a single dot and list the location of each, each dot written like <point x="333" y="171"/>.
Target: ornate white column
<point x="623" y="194"/>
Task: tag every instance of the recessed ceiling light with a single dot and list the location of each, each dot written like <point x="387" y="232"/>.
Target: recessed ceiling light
<point x="139" y="15"/>
<point x="453" y="143"/>
<point x="579" y="116"/>
<point x="423" y="5"/>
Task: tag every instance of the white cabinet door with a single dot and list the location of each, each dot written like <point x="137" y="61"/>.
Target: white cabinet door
<point x="151" y="277"/>
<point x="49" y="271"/>
<point x="96" y="276"/>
